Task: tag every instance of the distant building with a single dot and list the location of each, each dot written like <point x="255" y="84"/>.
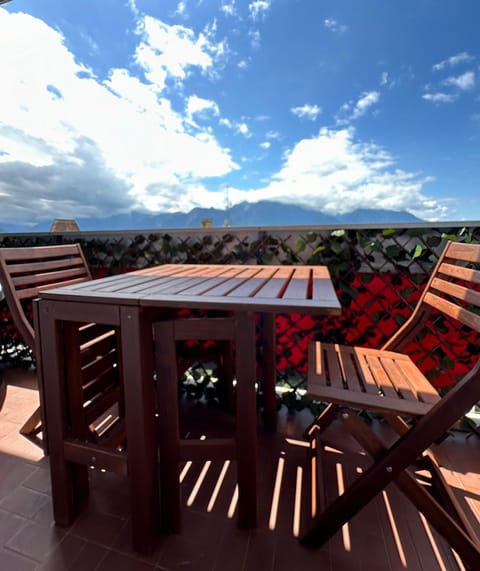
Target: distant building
<point x="206" y="223"/>
<point x="64" y="225"/>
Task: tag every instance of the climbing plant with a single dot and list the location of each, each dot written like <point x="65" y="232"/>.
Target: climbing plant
<point x="378" y="274"/>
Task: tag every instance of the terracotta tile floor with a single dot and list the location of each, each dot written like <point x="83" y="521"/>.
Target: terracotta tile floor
<point x="388" y="535"/>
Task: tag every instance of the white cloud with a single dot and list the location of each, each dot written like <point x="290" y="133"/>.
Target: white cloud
<point x="350" y="112"/>
<point x="109" y="146"/>
<point x="307" y="111"/>
<point x="255" y="38"/>
<point x="439" y="97"/>
<point x="465" y="81"/>
<point x="243" y="129"/>
<point x="273" y="135"/>
<point x="452" y="61"/>
<point x="172" y="51"/>
<point x="181" y="8"/>
<point x="386" y="80"/>
<point x="106" y="146"/>
<point x="197" y="105"/>
<point x="366" y="101"/>
<point x="228" y="8"/>
<point x="334" y="26"/>
<point x="259" y="8"/>
<point x="337" y="174"/>
<point x="133" y="7"/>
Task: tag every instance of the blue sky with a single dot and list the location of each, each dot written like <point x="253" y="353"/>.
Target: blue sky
<point x="120" y="105"/>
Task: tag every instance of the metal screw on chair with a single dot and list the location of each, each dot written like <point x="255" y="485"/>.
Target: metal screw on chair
<point x="345" y="415"/>
<point x="389" y="469"/>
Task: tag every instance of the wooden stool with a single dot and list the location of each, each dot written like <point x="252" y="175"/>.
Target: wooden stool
<point x="172" y="450"/>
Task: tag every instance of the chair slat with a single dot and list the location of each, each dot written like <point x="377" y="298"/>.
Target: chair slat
<point x="369" y="382"/>
<point x="41" y="252"/>
<point x="424" y="391"/>
<point x="462" y="293"/>
<point x="460" y="272"/>
<point x="382" y="380"/>
<point x="41" y="267"/>
<point x="462" y="252"/>
<point x="335" y="376"/>
<point x="453" y="310"/>
<point x="394" y="370"/>
<point x="49" y="277"/>
<point x="350" y="374"/>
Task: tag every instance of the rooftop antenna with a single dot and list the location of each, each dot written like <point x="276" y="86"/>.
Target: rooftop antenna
<point x="227" y="206"/>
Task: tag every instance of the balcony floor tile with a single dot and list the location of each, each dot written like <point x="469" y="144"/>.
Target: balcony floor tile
<point x="388" y="535"/>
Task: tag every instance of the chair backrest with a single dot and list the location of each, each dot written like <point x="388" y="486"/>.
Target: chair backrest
<point x="453" y="292"/>
<point x="25" y="272"/>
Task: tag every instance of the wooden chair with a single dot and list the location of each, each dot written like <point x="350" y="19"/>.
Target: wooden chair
<point x="386" y="381"/>
<point x="24" y="273"/>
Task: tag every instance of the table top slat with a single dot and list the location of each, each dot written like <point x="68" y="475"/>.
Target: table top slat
<point x="322" y="287"/>
<point x="298" y="285"/>
<point x="226" y="287"/>
<point x="252" y="287"/>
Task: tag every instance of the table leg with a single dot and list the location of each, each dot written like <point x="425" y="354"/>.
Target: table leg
<point x="246" y="419"/>
<point x="137" y="368"/>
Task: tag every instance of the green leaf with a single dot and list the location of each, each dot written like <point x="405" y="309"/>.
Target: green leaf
<point x="418" y="252"/>
<point x="388" y="232"/>
<point x="300" y="245"/>
<point x="319" y="249"/>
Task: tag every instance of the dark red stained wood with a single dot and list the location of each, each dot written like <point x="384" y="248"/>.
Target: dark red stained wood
<point x="34" y="267"/>
<point x="241" y="329"/>
<point x="130" y="303"/>
<point x="136" y="339"/>
<point x="256" y="288"/>
<point x="269" y="372"/>
<point x="246" y="419"/>
<point x="168" y="425"/>
<point x="388" y="382"/>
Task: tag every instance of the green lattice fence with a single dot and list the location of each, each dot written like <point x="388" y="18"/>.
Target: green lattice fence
<point x="378" y="274"/>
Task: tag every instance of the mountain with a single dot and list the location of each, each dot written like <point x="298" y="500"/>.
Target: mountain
<point x="263" y="213"/>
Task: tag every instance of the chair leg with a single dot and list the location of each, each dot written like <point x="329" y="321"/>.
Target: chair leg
<point x="3" y="390"/>
<point x="429" y="462"/>
<point x="32" y="427"/>
<point x="323" y="420"/>
<point x="317" y="473"/>
<point x="369" y="484"/>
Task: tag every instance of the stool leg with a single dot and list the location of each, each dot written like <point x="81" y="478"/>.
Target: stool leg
<point x="226" y="374"/>
<point x="246" y="419"/>
<point x="168" y="426"/>
<point x="267" y="334"/>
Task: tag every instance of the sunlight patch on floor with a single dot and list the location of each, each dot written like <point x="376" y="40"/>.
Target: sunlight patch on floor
<point x="19" y="404"/>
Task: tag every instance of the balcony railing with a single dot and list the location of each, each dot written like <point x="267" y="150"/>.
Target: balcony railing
<point x="378" y="272"/>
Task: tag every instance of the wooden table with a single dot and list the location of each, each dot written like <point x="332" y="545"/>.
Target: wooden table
<point x="131" y="302"/>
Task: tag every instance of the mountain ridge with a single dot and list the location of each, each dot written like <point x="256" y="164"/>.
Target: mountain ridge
<point x="262" y="213"/>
